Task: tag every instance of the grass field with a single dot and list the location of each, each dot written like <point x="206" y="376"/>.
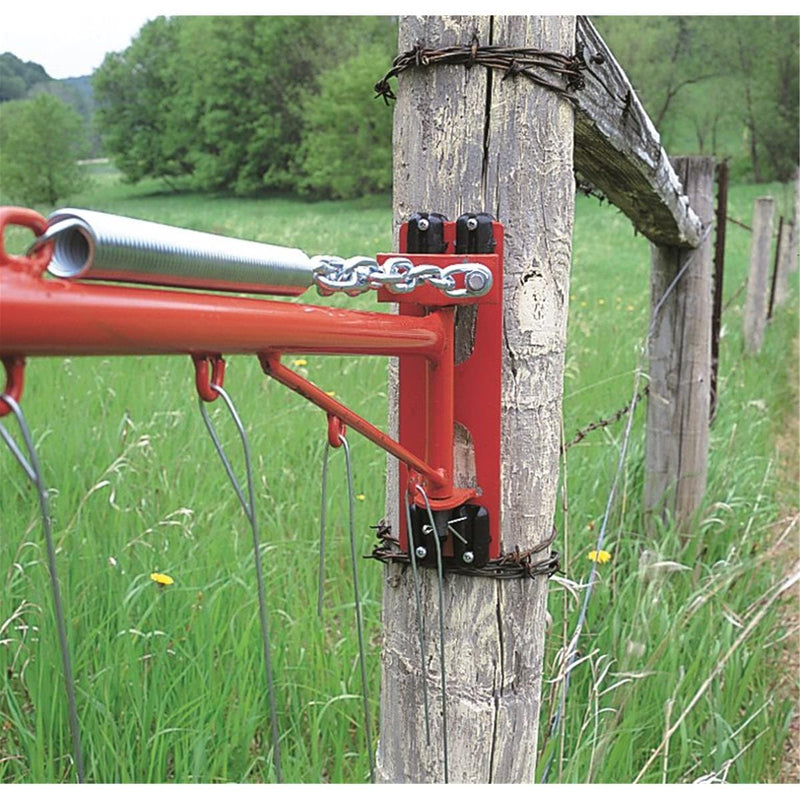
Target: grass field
<point x="170" y="681"/>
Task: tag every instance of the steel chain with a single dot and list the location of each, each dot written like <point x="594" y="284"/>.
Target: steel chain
<point x="399" y="275"/>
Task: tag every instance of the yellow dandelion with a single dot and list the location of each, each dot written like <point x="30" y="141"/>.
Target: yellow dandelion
<point x="299" y="362"/>
<point x="331" y="394"/>
<point x="361" y="497"/>
<point x="161" y="579"/>
<point x="601" y="302"/>
<point x="584" y="304"/>
<point x="630" y="308"/>
<point x="600" y="556"/>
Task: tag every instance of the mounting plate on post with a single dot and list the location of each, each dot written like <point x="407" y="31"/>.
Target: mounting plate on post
<point x="477" y="388"/>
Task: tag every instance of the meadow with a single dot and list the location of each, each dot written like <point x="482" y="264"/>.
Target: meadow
<point x="170" y="680"/>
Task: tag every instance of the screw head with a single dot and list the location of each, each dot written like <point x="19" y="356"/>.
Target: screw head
<point x="472" y="224"/>
<point x="468" y="557"/>
<point x="421" y="552"/>
<point x="423" y="224"/>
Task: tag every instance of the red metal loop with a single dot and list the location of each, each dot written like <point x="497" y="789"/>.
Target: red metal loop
<point x="201" y="381"/>
<point x="36" y="263"/>
<point x="15" y="380"/>
<point x="336" y="429"/>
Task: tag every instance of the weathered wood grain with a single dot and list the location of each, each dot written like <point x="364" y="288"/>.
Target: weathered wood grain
<point x="757" y="297"/>
<point x="680" y="362"/>
<point x="619" y="152"/>
<point x="466" y="142"/>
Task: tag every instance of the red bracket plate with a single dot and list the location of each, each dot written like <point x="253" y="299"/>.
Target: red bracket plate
<point x="477" y="386"/>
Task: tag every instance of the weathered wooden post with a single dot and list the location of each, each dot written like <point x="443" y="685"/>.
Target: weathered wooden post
<point x="755" y="305"/>
<point x="465" y="140"/>
<point x="680" y="361"/>
<point x="720" y="222"/>
<point x="783" y="264"/>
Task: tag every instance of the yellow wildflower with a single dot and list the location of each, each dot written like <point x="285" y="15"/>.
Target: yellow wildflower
<point x="161" y="579"/>
<point x="299" y="362"/>
<point x="600" y="556"/>
<point x="630" y="308"/>
<point x="361" y="497"/>
<point x="601" y="302"/>
<point x="331" y="394"/>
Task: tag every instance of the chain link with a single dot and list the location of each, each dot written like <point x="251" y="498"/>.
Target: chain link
<point x="399" y="275"/>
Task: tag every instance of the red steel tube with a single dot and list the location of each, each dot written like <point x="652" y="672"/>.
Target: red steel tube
<point x="41" y="317"/>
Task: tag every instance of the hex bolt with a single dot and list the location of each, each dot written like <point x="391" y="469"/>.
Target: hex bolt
<point x="468" y="557"/>
<point x="472" y="224"/>
<point x="423" y="224"/>
<point x="475" y="281"/>
<point x="421" y="552"/>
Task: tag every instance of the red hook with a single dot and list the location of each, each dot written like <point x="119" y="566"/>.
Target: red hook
<point x="35" y="263"/>
<point x="15" y="380"/>
<point x="336" y="429"/>
<point x="201" y="380"/>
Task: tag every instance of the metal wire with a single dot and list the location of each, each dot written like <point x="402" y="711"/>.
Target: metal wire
<point x="249" y="509"/>
<point x="412" y="552"/>
<point x="359" y="623"/>
<point x="32" y="469"/>
<point x="322" y="518"/>
<point x="440" y="574"/>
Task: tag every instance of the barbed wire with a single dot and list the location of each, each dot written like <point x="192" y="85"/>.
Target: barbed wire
<point x="604" y="422"/>
<point x="511" y="61"/>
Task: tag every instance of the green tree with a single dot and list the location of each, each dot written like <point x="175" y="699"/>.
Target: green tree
<point x="17" y="76"/>
<point x="40" y="140"/>
<point x="347" y="134"/>
<point x="134" y="95"/>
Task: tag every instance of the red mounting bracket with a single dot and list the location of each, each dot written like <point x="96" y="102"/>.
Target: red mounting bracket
<point x="475" y="399"/>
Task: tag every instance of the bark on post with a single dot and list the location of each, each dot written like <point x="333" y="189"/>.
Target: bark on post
<point x="680" y="362"/>
<point x="755" y="305"/>
<point x="466" y="141"/>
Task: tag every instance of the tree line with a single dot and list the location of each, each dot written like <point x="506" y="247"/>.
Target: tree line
<point x="253" y="104"/>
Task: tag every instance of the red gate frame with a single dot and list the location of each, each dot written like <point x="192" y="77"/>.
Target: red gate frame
<point x="55" y="317"/>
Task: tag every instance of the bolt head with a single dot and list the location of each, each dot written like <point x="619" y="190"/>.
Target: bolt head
<point x="468" y="557"/>
<point x="475" y="281"/>
<point x="472" y="224"/>
<point x="421" y="552"/>
<point x="423" y="224"/>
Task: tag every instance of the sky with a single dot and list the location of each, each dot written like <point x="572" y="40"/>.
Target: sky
<point x="71" y="39"/>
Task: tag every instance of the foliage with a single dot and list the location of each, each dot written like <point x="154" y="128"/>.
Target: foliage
<point x="726" y="86"/>
<point x="40" y="141"/>
<point x="17" y="77"/>
<point x="223" y="100"/>
<point x="347" y="134"/>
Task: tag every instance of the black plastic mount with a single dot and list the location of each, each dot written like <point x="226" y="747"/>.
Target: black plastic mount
<point x="463" y="535"/>
<point x="474" y="233"/>
<point x="426" y="233"/>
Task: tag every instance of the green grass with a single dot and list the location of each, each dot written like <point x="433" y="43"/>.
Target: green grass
<point x="170" y="682"/>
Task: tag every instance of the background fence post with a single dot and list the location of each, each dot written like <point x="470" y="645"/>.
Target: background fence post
<point x="680" y="361"/>
<point x="755" y="304"/>
<point x="721" y="223"/>
<point x="465" y="140"/>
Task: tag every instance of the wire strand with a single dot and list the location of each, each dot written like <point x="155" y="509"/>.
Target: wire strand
<point x="248" y="505"/>
<point x="32" y="469"/>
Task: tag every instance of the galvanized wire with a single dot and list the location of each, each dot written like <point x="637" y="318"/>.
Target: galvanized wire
<point x="322" y="521"/>
<point x="440" y="575"/>
<point x="412" y="553"/>
<point x="359" y="622"/>
<point x="31" y="467"/>
<point x="248" y="505"/>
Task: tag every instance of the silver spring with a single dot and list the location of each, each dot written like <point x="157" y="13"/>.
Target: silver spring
<point x="112" y="247"/>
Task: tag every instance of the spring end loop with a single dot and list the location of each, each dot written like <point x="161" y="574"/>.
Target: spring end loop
<point x="201" y="378"/>
<point x="39" y="256"/>
<point x="15" y="381"/>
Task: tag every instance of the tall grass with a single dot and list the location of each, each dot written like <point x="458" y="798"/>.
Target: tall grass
<point x="170" y="681"/>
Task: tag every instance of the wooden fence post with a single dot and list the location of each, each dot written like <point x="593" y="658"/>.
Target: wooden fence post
<point x="786" y="242"/>
<point x="465" y="140"/>
<point x="680" y="361"/>
<point x="755" y="304"/>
